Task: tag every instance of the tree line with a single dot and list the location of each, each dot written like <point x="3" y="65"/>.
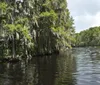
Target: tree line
<point x="30" y="27"/>
<point x="89" y="37"/>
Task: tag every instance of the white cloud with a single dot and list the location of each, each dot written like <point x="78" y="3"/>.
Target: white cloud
<point x="85" y="21"/>
<point x="86" y="13"/>
<point x="96" y="20"/>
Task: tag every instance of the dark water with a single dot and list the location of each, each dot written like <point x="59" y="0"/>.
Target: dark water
<point x="81" y="66"/>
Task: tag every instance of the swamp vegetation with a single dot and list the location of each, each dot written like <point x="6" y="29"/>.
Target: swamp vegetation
<point x="89" y="37"/>
<point x="32" y="30"/>
<point x="34" y="27"/>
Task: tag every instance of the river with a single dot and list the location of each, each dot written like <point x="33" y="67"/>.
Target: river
<point x="80" y="66"/>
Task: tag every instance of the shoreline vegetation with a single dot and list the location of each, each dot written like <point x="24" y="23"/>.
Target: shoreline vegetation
<point x="89" y="37"/>
<point x="39" y="28"/>
<point x="34" y="28"/>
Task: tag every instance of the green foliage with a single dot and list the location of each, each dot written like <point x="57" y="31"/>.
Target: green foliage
<point x="49" y="14"/>
<point x="35" y="26"/>
<point x="3" y="6"/>
<point x="89" y="37"/>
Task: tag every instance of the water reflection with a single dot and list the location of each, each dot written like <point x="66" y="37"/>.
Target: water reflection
<point x="81" y="66"/>
<point x="48" y="70"/>
<point x="66" y="66"/>
<point x="88" y="66"/>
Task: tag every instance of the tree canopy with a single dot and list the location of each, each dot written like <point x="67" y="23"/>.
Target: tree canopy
<point x="89" y="37"/>
<point x="34" y="26"/>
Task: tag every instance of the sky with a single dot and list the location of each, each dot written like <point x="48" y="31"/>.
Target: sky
<point x="86" y="13"/>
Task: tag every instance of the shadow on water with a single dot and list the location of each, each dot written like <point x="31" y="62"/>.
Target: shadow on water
<point x="48" y="70"/>
<point x="80" y="66"/>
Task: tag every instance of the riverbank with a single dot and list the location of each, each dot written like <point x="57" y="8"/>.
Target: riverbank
<point x="25" y="57"/>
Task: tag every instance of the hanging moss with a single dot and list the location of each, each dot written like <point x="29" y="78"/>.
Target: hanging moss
<point x="36" y="27"/>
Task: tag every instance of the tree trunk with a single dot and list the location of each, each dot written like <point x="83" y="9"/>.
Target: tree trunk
<point x="13" y="47"/>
